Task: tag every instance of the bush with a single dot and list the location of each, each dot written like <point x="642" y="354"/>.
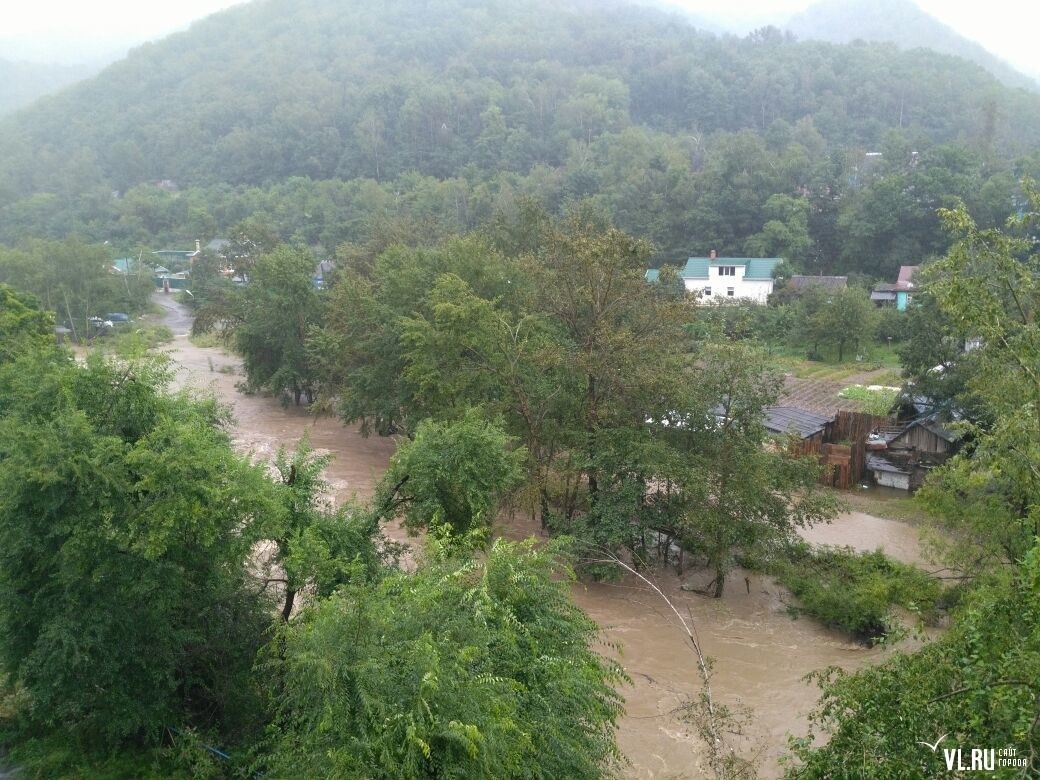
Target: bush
<point x="854" y="591"/>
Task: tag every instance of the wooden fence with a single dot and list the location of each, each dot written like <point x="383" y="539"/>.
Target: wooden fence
<point x="842" y="447"/>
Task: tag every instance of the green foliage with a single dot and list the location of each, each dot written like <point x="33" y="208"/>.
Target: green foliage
<point x="274" y="314"/>
<point x="737" y="493"/>
<point x="987" y="502"/>
<point x="317" y="548"/>
<point x="877" y="401"/>
<point x="124" y="529"/>
<point x="855" y="591"/>
<point x="977" y="685"/>
<point x="451" y="473"/>
<point x="375" y="126"/>
<point x="74" y="280"/>
<point x="467" y="668"/>
<point x="839" y="318"/>
<point x="24" y="327"/>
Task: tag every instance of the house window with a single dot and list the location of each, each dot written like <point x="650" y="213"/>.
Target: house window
<point x="727" y="270"/>
<point x="707" y="292"/>
<point x="729" y="291"/>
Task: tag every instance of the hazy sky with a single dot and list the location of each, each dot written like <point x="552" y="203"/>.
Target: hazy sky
<point x="34" y="28"/>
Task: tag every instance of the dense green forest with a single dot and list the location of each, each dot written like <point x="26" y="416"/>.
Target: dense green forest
<point x="334" y="122"/>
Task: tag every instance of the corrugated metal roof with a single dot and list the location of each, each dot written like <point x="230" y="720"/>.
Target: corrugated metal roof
<point x="761" y="268"/>
<point x="791" y="419"/>
<point x="877" y="462"/>
<point x="696" y="268"/>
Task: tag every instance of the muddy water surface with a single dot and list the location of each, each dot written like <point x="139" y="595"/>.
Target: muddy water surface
<point x="762" y="655"/>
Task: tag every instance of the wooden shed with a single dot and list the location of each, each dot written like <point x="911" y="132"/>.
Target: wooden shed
<point x="926" y="436"/>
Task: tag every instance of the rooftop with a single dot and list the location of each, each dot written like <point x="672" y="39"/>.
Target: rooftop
<point x="799" y="282"/>
<point x="791" y="419"/>
<point x="758" y="268"/>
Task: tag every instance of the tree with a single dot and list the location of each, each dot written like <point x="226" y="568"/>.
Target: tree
<point x="475" y="668"/>
<point x="317" y="548"/>
<point x="451" y="474"/>
<point x="738" y="492"/>
<point x="23" y="326"/>
<point x="276" y="313"/>
<point x="125" y="527"/>
<point x="839" y="317"/>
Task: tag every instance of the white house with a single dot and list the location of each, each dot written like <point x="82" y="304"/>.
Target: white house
<point x="716" y="278"/>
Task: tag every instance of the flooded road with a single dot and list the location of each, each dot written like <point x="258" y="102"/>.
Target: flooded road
<point x="761" y="654"/>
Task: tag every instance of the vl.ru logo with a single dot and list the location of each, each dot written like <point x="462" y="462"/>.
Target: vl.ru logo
<point x="977" y="759"/>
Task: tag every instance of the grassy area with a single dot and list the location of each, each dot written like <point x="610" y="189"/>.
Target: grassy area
<point x="139" y="337"/>
<point x="872" y="400"/>
<point x="856" y="592"/>
<point x="878" y="358"/>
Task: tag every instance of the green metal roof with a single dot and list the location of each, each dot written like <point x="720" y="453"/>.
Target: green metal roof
<point x="757" y="268"/>
<point x="696" y="268"/>
<point x="761" y="268"/>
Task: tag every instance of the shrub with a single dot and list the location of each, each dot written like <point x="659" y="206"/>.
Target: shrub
<point x="856" y="591"/>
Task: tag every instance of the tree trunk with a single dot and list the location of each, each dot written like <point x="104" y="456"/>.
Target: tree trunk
<point x="720" y="582"/>
<point x="290" y="598"/>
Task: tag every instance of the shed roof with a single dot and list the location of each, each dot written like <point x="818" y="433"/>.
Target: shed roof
<point x="876" y="462"/>
<point x="791" y="419"/>
<point x="906" y="274"/>
<point x="799" y="282"/>
<point x="652" y="275"/>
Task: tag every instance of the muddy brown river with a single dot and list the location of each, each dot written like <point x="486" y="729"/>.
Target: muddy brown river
<point x="761" y="654"/>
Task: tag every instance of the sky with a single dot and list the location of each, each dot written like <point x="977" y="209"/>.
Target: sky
<point x="71" y="30"/>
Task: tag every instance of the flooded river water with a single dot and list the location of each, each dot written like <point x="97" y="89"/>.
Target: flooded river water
<point x="761" y="653"/>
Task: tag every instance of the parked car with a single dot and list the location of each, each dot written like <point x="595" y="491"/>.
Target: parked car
<point x="99" y="327"/>
<point x="118" y="318"/>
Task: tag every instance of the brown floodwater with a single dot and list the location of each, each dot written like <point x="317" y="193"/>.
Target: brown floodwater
<point x="761" y="654"/>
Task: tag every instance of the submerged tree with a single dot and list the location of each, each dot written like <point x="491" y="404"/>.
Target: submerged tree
<point x="740" y="493"/>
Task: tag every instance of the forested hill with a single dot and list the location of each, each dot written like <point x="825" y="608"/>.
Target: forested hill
<point x="319" y="114"/>
<point x="902" y="23"/>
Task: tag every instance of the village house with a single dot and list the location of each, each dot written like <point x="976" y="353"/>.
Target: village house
<point x="716" y="278"/>
<point x="899" y="294"/>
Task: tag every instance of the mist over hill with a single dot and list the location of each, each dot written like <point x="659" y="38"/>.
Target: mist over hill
<point x="335" y="121"/>
<point x="902" y="23"/>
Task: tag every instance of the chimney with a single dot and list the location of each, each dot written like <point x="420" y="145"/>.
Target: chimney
<point x="198" y="245"/>
<point x="712" y="255"/>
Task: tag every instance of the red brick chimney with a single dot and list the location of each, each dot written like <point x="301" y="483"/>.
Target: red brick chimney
<point x="712" y="255"/>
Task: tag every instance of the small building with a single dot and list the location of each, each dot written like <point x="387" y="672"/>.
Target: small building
<point x="715" y="278"/>
<point x="886" y="473"/>
<point x="899" y="294"/>
<point x="124" y="265"/>
<point x="790" y="420"/>
<point x="926" y="436"/>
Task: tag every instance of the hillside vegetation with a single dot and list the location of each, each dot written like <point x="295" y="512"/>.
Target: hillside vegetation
<point x="334" y="121"/>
